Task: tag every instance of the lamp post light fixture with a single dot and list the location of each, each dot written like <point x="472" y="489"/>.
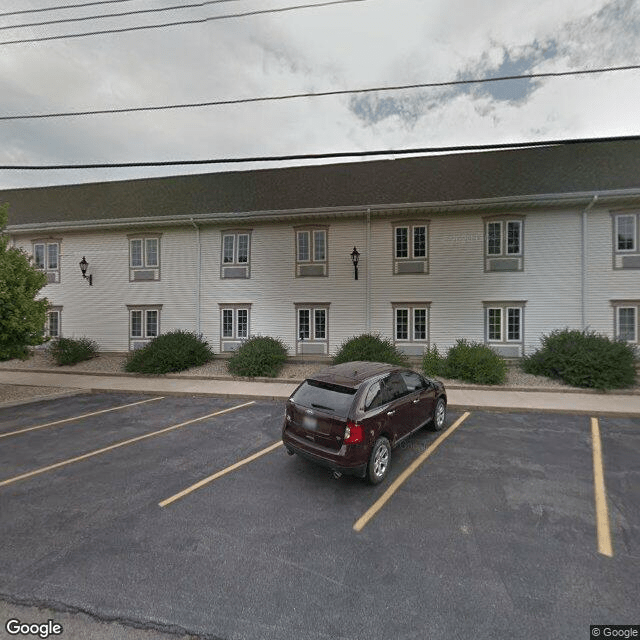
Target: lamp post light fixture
<point x="83" y="267"/>
<point x="355" y="256"/>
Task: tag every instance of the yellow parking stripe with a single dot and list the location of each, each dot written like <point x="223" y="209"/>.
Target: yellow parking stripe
<point x="395" y="485"/>
<point x="602" y="512"/>
<point x="219" y="474"/>
<point x="57" y="465"/>
<point x="84" y="415"/>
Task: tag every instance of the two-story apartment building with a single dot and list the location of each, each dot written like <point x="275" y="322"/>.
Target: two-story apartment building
<point x="498" y="247"/>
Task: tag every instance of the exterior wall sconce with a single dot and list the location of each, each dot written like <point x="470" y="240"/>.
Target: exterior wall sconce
<point x="355" y="256"/>
<point x="83" y="267"/>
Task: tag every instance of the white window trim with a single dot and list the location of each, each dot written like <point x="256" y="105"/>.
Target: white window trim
<point x="506" y="238"/>
<point x="47" y="329"/>
<point x="500" y="251"/>
<point x="395" y="242"/>
<point x="413" y="241"/>
<point x="45" y="244"/>
<point x="144" y="309"/>
<point x="312" y="322"/>
<point x="501" y="310"/>
<point x="145" y="263"/>
<point x="506" y="325"/>
<point x="311" y="233"/>
<point x="411" y="308"/>
<point x="634" y="217"/>
<point x="235" y="309"/>
<point x="309" y="248"/>
<point x="411" y="245"/>
<point x="636" y="309"/>
<point x="235" y="249"/>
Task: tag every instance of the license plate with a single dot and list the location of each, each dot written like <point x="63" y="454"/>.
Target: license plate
<point x="309" y="422"/>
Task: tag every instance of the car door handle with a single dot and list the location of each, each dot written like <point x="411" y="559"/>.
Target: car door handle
<point x="390" y="413"/>
<point x="416" y="401"/>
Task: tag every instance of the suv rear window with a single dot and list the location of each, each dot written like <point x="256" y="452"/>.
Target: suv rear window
<point x="325" y="396"/>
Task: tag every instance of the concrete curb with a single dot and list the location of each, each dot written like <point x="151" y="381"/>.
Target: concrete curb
<point x="461" y="387"/>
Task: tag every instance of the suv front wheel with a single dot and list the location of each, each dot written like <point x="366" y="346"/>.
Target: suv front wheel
<point x="379" y="461"/>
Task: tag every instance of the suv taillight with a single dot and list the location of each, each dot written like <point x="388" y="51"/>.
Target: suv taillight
<point x="353" y="434"/>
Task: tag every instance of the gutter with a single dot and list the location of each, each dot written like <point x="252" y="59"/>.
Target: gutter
<point x="368" y="278"/>
<point x="583" y="282"/>
<point x="198" y="276"/>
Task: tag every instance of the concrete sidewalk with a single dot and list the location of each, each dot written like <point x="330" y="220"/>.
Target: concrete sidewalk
<point x="459" y="398"/>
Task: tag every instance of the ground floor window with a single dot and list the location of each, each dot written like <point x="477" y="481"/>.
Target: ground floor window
<point x="504" y="327"/>
<point x="144" y="324"/>
<point x="234" y="325"/>
<point x="312" y="330"/>
<point x="626" y="320"/>
<point x="411" y="321"/>
<point x="52" y="324"/>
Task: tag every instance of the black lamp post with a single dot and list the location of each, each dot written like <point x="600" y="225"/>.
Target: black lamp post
<point x="83" y="267"/>
<point x="355" y="256"/>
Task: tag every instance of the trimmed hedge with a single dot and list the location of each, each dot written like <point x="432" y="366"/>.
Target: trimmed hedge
<point x="584" y="359"/>
<point x="170" y="352"/>
<point x="474" y="362"/>
<point x="370" y="348"/>
<point x="67" y="351"/>
<point x="258" y="356"/>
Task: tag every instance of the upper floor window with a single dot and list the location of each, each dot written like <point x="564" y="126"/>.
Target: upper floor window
<point x="311" y="251"/>
<point x="144" y="258"/>
<point x="46" y="257"/>
<point x="235" y="254"/>
<point x="626" y="241"/>
<point x="410" y="243"/>
<point x="504" y="244"/>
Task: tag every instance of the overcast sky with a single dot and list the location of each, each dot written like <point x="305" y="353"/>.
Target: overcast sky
<point x="349" y="46"/>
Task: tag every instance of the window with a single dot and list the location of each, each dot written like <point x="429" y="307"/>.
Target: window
<point x="52" y="325"/>
<point x="626" y="233"/>
<point x="144" y="324"/>
<point x="311" y="252"/>
<point x="504" y="244"/>
<point x="234" y="323"/>
<point x="410" y="248"/>
<point x="410" y="321"/>
<point x="413" y="381"/>
<point x="626" y="240"/>
<point x="144" y="258"/>
<point x="235" y="254"/>
<point x="626" y="320"/>
<point x="46" y="257"/>
<point x="312" y="328"/>
<point x="504" y="324"/>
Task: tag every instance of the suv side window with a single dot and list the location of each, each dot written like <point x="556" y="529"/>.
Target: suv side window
<point x="414" y="381"/>
<point x="374" y="397"/>
<point x="395" y="386"/>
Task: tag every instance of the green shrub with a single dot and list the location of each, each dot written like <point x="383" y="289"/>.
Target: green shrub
<point x="474" y="362"/>
<point x="70" y="351"/>
<point x="432" y="362"/>
<point x="370" y="348"/>
<point x="173" y="351"/>
<point x="258" y="356"/>
<point x="583" y="359"/>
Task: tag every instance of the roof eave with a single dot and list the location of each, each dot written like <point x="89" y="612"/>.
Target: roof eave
<point x="559" y="200"/>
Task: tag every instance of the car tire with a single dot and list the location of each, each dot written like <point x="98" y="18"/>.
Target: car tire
<point x="379" y="461"/>
<point x="439" y="415"/>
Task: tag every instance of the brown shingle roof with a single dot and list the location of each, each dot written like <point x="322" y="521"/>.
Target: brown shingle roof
<point x="576" y="168"/>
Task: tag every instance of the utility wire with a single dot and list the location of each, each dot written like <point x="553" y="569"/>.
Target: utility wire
<point x="338" y="92"/>
<point x="65" y="6"/>
<point x="179" y="23"/>
<point x="114" y="15"/>
<point x="341" y="154"/>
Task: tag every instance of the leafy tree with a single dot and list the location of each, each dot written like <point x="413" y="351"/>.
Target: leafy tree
<point x="22" y="317"/>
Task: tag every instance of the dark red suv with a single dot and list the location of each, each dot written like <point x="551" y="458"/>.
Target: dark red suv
<point x="348" y="417"/>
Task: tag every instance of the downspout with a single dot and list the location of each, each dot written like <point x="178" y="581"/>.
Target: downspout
<point x="583" y="283"/>
<point x="368" y="278"/>
<point x="198" y="277"/>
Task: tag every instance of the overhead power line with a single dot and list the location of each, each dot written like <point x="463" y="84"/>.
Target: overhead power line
<point x="114" y="15"/>
<point x="58" y="8"/>
<point x="337" y="92"/>
<point x="315" y="156"/>
<point x="179" y="22"/>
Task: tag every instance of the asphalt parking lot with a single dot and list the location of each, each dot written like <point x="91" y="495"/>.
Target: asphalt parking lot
<point x="184" y="514"/>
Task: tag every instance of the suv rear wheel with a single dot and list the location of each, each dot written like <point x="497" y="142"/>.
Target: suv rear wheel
<point x="379" y="461"/>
